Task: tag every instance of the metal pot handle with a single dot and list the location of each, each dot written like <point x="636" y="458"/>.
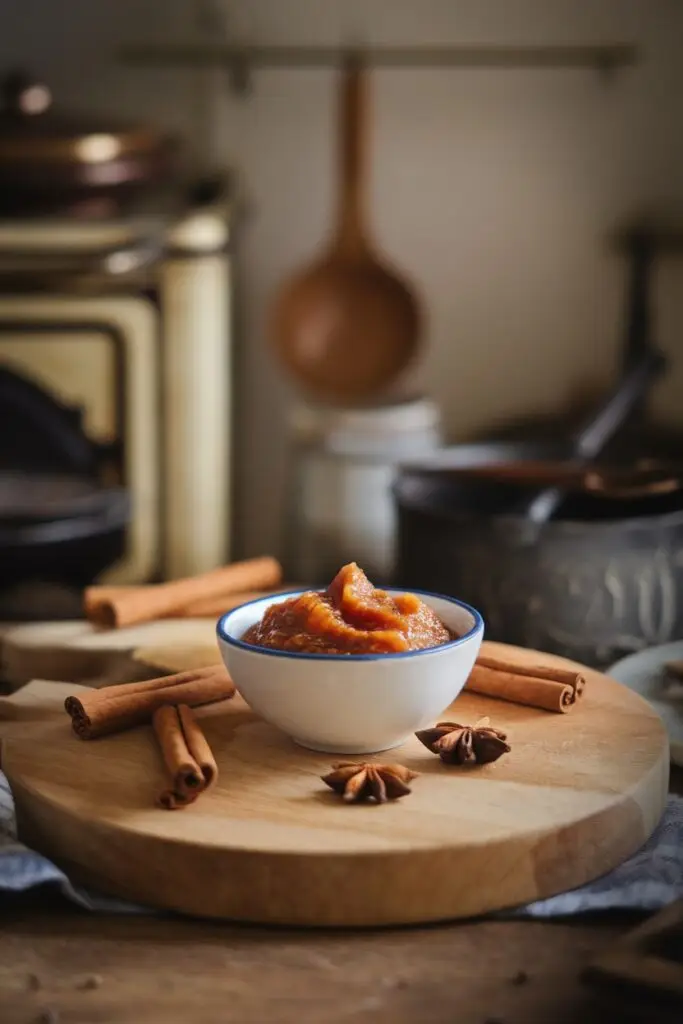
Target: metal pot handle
<point x="602" y="426"/>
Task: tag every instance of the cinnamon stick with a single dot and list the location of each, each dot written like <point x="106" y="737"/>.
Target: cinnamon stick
<point x="114" y="607"/>
<point x="566" y="676"/>
<point x="210" y="607"/>
<point x="199" y="608"/>
<point x="543" y="686"/>
<point x="112" y="709"/>
<point x="188" y="758"/>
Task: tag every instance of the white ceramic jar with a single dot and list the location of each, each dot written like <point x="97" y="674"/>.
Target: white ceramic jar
<point x="340" y="505"/>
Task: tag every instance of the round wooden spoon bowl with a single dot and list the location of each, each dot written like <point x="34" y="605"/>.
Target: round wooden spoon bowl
<point x="346" y="329"/>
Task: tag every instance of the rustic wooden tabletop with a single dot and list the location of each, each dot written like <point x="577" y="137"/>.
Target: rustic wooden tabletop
<point x="61" y="965"/>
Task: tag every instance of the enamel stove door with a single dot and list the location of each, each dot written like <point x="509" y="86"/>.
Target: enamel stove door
<point x="100" y="354"/>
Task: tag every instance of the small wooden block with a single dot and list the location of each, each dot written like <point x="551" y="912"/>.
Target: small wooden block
<point x="171" y="658"/>
<point x="644" y="968"/>
<point x="78" y="651"/>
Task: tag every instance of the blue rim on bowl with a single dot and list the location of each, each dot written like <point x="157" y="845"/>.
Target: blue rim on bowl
<point x="221" y="630"/>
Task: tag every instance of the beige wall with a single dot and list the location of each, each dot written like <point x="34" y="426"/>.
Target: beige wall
<point x="496" y="191"/>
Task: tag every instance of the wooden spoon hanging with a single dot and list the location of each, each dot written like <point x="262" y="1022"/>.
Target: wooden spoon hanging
<point x="347" y="326"/>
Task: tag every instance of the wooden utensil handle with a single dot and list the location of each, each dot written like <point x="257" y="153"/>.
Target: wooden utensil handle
<point x="352" y="122"/>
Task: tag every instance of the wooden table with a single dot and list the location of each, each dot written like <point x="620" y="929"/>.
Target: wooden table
<point x="61" y="965"/>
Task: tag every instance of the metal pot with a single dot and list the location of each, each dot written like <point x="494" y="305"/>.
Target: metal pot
<point x="602" y="579"/>
<point x="52" y="160"/>
<point x="71" y="542"/>
<point x="584" y="575"/>
<point x="58" y="520"/>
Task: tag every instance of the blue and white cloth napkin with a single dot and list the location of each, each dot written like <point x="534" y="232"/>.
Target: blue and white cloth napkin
<point x="650" y="880"/>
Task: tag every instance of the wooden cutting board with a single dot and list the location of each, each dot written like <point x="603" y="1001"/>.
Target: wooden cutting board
<point x="78" y="651"/>
<point x="272" y="844"/>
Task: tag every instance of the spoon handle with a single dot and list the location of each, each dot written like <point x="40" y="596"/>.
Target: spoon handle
<point x="352" y="122"/>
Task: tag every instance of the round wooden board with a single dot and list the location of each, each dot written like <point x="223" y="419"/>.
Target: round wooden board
<point x="577" y="795"/>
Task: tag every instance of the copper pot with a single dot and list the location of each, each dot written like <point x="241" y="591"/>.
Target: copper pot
<point x="53" y="160"/>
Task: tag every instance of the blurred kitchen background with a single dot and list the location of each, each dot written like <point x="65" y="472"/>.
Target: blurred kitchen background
<point x="537" y="213"/>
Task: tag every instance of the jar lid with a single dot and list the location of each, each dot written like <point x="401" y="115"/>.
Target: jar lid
<point x="368" y="430"/>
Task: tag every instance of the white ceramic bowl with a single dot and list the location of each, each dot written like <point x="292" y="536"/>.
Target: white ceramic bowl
<point x="351" y="704"/>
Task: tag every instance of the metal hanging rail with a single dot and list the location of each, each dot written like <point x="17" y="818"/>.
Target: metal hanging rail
<point x="239" y="61"/>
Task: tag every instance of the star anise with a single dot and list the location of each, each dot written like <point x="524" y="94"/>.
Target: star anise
<point x="358" y="781"/>
<point x="465" y="744"/>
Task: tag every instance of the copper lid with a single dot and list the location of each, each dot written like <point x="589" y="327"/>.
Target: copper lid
<point x="32" y="132"/>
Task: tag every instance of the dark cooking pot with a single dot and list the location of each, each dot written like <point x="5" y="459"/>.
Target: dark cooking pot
<point x="58" y="520"/>
<point x="59" y="529"/>
<point x="601" y="579"/>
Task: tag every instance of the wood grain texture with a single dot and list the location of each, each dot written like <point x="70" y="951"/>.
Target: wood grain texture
<point x="578" y="794"/>
<point x="78" y="651"/>
<point x="171" y="971"/>
<point x="174" y="657"/>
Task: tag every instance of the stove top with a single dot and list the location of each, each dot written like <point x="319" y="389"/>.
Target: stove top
<point x="143" y="217"/>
